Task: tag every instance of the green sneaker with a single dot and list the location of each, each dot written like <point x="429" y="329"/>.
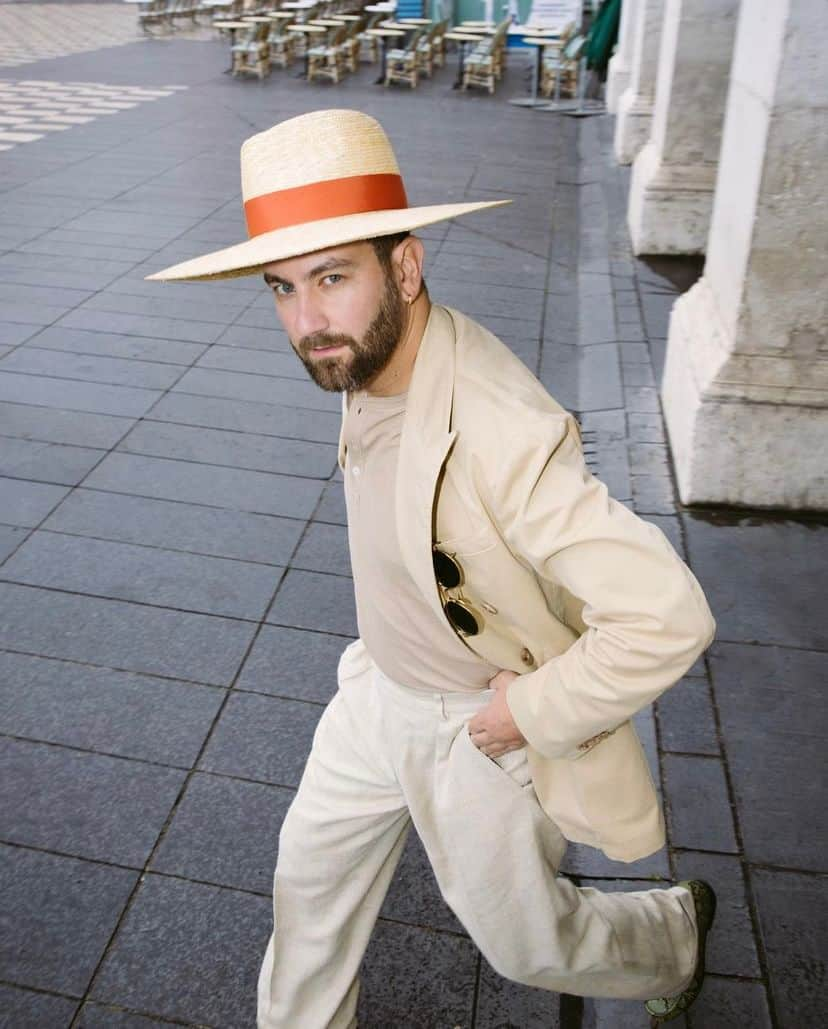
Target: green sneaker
<point x="663" y="1009"/>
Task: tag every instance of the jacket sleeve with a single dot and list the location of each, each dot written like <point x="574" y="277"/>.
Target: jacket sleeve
<point x="646" y="616"/>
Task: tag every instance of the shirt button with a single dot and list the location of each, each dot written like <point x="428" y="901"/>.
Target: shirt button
<point x="526" y="657"/>
<point x="356" y="470"/>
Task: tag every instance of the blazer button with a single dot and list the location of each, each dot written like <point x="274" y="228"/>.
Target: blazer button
<point x="526" y="657"/>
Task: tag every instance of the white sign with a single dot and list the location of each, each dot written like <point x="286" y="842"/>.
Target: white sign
<point x="554" y="14"/>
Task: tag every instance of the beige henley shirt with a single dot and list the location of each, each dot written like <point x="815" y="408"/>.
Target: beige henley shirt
<point x="402" y="632"/>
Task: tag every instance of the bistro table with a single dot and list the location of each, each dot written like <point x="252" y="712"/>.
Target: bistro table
<point x="383" y="35"/>
<point x="461" y="38"/>
<point x="232" y="27"/>
<point x="307" y="29"/>
<point x="414" y="21"/>
<point x="539" y="43"/>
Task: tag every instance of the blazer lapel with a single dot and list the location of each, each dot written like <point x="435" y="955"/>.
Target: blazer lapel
<point x="425" y="443"/>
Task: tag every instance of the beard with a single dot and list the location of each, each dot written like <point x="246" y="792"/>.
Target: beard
<point x="369" y="356"/>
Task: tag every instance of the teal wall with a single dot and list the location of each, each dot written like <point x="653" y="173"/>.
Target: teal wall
<point x="474" y="10"/>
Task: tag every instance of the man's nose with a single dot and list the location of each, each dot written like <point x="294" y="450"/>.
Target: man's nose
<point x="310" y="317"/>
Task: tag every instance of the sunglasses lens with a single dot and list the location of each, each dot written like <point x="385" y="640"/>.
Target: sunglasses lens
<point x="461" y="618"/>
<point x="446" y="570"/>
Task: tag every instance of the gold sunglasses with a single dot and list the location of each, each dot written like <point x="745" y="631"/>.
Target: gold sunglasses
<point x="463" y="617"/>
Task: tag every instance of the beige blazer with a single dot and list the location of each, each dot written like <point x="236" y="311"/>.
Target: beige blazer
<point x="590" y="604"/>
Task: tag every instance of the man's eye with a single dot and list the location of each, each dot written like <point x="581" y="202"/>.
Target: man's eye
<point x="333" y="278"/>
<point x="282" y="289"/>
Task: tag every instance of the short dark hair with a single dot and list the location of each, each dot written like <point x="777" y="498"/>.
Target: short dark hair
<point x="384" y="245"/>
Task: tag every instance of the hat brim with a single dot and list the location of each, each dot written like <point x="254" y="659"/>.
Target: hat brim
<point x="250" y="257"/>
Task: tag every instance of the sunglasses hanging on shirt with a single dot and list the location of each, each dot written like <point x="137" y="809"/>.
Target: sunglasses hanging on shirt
<point x="464" y="619"/>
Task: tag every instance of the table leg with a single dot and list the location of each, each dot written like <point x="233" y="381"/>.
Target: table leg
<point x="458" y="82"/>
<point x="536" y="74"/>
<point x="229" y="71"/>
<point x="383" y="62"/>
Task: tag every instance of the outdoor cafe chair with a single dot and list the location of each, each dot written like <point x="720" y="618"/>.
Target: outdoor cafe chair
<point x="251" y="53"/>
<point x="559" y="71"/>
<point x="282" y="43"/>
<point x="425" y="51"/>
<point x="438" y="43"/>
<point x="402" y="63"/>
<point x="369" y="46"/>
<point x="479" y="68"/>
<point x="327" y="60"/>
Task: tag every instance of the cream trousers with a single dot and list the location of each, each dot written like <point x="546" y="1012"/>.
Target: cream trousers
<point x="385" y="756"/>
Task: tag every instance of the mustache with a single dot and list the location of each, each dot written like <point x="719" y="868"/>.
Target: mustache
<point x="324" y="339"/>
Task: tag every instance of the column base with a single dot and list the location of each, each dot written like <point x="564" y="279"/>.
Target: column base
<point x="618" y="78"/>
<point x="729" y="449"/>
<point x="670" y="205"/>
<point x="632" y="128"/>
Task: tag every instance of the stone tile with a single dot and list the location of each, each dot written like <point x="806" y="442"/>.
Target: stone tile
<point x="596" y="320"/>
<point x="653" y="494"/>
<point x="685" y="719"/>
<point x="262" y="389"/>
<point x="46" y="462"/>
<point x="731" y="1004"/>
<point x="313" y="600"/>
<point x="244" y="416"/>
<point x="731" y="949"/>
<point x="25" y="1009"/>
<point x="31" y="360"/>
<point x="109" y="344"/>
<point x="646" y="428"/>
<point x="559" y="372"/>
<point x="254" y="361"/>
<point x="324" y="548"/>
<point x="256" y="339"/>
<point x="64" y="912"/>
<point x="147" y="575"/>
<point x="414" y="896"/>
<point x="225" y="832"/>
<point x="698" y="812"/>
<point x="582" y="860"/>
<point x="116" y="634"/>
<point x="600" y="378"/>
<point x="773" y="717"/>
<point x="234" y="449"/>
<point x="13" y="333"/>
<point x="66" y="394"/>
<point x="637" y="374"/>
<point x="118" y="807"/>
<point x="792" y="920"/>
<point x="502" y="1004"/>
<point x="265" y="739"/>
<point x="158" y="305"/>
<point x="28" y="503"/>
<point x="183" y="921"/>
<point x="177" y="526"/>
<point x="642" y="400"/>
<point x="634" y="353"/>
<point x="81" y="706"/>
<point x="293" y="663"/>
<point x="649" y="459"/>
<point x="773" y="593"/>
<point x="656" y="308"/>
<point x="142" y="325"/>
<point x="10" y="539"/>
<point x="414" y="977"/>
<point x="65" y="427"/>
<point x="107" y="1016"/>
<point x="229" y="488"/>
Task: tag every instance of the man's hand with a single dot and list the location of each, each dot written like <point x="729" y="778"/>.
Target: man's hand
<point x="493" y="730"/>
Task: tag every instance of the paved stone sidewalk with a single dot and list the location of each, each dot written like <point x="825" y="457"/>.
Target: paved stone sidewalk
<point x="175" y="589"/>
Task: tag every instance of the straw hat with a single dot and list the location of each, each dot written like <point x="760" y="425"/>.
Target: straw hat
<point x="316" y="181"/>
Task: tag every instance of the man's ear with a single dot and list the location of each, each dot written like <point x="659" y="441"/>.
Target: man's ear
<point x="408" y="257"/>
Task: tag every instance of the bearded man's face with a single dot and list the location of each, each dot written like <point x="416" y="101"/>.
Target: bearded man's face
<point x="343" y="311"/>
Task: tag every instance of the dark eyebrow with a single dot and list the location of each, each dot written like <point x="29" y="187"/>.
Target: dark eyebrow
<point x="326" y="266"/>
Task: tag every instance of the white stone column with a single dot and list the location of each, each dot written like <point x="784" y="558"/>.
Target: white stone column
<point x="618" y="71"/>
<point x="635" y="106"/>
<point x="745" y="386"/>
<point x="674" y="174"/>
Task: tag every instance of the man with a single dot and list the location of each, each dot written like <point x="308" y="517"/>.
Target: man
<point x="512" y="618"/>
